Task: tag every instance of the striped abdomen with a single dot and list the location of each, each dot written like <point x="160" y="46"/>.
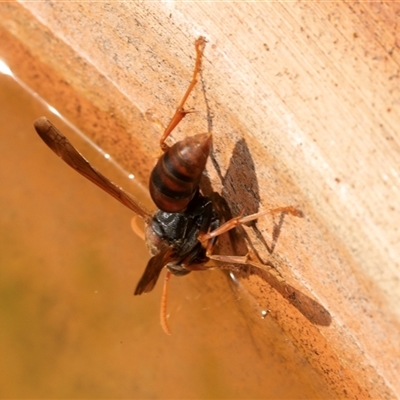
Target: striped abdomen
<point x="176" y="176"/>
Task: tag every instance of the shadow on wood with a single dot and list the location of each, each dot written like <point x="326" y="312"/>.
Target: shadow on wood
<point x="240" y="185"/>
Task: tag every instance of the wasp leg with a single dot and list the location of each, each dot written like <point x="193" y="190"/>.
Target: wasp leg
<point x="229" y="259"/>
<point x="163" y="308"/>
<point x="180" y="111"/>
<point x="222" y="261"/>
<point x="137" y="228"/>
<point x="239" y="220"/>
<point x="246" y="260"/>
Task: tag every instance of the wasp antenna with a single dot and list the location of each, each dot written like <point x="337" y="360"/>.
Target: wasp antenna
<point x="163" y="309"/>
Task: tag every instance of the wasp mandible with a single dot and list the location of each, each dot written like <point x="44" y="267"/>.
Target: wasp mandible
<point x="182" y="233"/>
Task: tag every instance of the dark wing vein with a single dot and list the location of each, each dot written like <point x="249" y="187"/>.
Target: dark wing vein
<point x="64" y="149"/>
<point x="153" y="270"/>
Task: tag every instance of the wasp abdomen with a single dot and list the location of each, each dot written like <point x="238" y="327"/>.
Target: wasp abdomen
<point x="176" y="176"/>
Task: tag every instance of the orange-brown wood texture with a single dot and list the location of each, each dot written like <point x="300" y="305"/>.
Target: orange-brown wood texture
<point x="303" y="101"/>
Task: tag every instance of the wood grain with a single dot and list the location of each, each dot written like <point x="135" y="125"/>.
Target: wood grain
<point x="304" y="104"/>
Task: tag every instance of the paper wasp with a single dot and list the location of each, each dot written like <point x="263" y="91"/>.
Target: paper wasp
<point x="182" y="234"/>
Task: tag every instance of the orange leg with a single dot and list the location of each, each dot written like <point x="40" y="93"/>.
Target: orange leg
<point x="163" y="308"/>
<point x="138" y="228"/>
<point x="239" y="220"/>
<point x="246" y="260"/>
<point x="180" y="111"/>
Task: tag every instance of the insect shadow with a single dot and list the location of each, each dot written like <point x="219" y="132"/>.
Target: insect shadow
<point x="246" y="193"/>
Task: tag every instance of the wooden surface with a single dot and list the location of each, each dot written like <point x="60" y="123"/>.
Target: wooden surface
<point x="305" y="107"/>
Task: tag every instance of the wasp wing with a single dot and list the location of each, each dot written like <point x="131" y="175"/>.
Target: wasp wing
<point x="64" y="149"/>
<point x="153" y="270"/>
